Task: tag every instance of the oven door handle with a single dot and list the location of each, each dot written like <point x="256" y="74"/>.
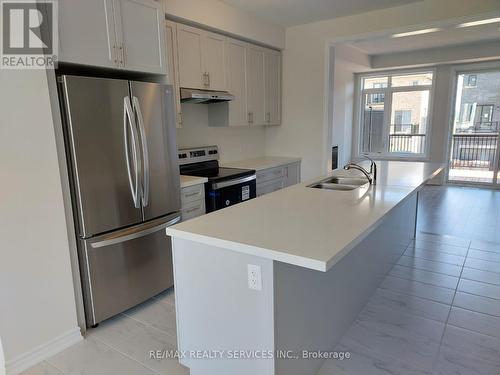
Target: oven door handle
<point x="236" y="181"/>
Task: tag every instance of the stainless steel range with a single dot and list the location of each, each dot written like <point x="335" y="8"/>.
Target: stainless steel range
<point x="225" y="186"/>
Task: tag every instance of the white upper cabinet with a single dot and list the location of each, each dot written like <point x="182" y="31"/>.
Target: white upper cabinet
<point x="272" y="73"/>
<point x="87" y="32"/>
<point x="202" y="58"/>
<point x="189" y="49"/>
<point x="214" y="56"/>
<point x="124" y="34"/>
<point x="236" y="72"/>
<point x="210" y="61"/>
<point x="255" y="85"/>
<point x="173" y="67"/>
<point x="139" y="29"/>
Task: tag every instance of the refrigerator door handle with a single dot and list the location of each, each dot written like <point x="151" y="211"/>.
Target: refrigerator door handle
<point x="129" y="123"/>
<point x="135" y="232"/>
<point x="145" y="151"/>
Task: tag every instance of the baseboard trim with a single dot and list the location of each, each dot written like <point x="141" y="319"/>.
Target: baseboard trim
<point x="25" y="361"/>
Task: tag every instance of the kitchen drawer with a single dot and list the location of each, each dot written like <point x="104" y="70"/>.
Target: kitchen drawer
<point x="193" y="209"/>
<point x="271" y="174"/>
<point x="269" y="187"/>
<point x="192" y="193"/>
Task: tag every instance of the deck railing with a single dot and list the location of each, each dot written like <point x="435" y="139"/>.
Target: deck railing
<point x="407" y="143"/>
<point x="474" y="151"/>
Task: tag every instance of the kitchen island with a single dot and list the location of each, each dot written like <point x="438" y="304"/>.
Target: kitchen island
<point x="315" y="258"/>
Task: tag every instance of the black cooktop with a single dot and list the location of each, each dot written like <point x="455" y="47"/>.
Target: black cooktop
<point x="213" y="172"/>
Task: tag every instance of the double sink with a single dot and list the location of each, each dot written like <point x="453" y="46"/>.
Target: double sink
<point x="340" y="183"/>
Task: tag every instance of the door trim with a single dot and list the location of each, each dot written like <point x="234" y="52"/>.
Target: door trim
<point x="455" y="72"/>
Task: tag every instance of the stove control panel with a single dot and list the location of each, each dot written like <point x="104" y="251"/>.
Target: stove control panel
<point x="198" y="154"/>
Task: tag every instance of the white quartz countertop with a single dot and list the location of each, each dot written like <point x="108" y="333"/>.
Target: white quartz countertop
<point x="187" y="181"/>
<point x="311" y="228"/>
<point x="261" y="163"/>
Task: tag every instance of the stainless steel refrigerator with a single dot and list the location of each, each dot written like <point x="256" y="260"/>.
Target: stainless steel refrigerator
<point x="122" y="154"/>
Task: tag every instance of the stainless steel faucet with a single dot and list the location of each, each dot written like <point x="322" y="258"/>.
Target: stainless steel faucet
<point x="371" y="175"/>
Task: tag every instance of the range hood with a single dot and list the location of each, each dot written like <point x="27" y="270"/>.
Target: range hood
<point x="204" y="96"/>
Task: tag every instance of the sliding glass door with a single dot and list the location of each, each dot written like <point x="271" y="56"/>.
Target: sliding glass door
<point x="474" y="150"/>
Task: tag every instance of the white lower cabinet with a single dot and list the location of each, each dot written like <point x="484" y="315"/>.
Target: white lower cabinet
<point x="270" y="186"/>
<point x="272" y="179"/>
<point x="293" y="173"/>
<point x="192" y="201"/>
<point x="272" y="174"/>
<point x="193" y="209"/>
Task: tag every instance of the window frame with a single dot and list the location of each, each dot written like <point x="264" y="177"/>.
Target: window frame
<point x="388" y="91"/>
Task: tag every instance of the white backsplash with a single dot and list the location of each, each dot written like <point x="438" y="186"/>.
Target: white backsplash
<point x="235" y="143"/>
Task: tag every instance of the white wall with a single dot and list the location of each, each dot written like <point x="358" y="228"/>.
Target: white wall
<point x="346" y="62"/>
<point x="305" y="71"/>
<point x="235" y="143"/>
<point x="2" y="359"/>
<point x="37" y="313"/>
<point x="479" y="51"/>
<point x="220" y="16"/>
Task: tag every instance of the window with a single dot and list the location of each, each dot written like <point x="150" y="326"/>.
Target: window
<point x="394" y="114"/>
<point x="466" y="112"/>
<point x="484" y="113"/>
<point x="402" y="121"/>
<point x="470" y="80"/>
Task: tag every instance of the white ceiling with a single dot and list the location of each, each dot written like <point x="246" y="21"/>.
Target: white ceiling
<point x="295" y="12"/>
<point x="447" y="37"/>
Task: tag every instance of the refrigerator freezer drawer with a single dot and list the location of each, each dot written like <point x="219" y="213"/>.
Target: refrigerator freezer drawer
<point x="124" y="268"/>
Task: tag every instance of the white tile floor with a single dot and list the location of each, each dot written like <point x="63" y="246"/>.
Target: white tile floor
<point x="465" y="212"/>
<point x="436" y="313"/>
<point x="121" y="345"/>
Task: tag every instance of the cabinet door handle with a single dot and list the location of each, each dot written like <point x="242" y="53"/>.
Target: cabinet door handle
<point x="208" y="77"/>
<point x="268" y="116"/>
<point x="115" y="57"/>
<point x="179" y="116"/>
<point x="122" y="54"/>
